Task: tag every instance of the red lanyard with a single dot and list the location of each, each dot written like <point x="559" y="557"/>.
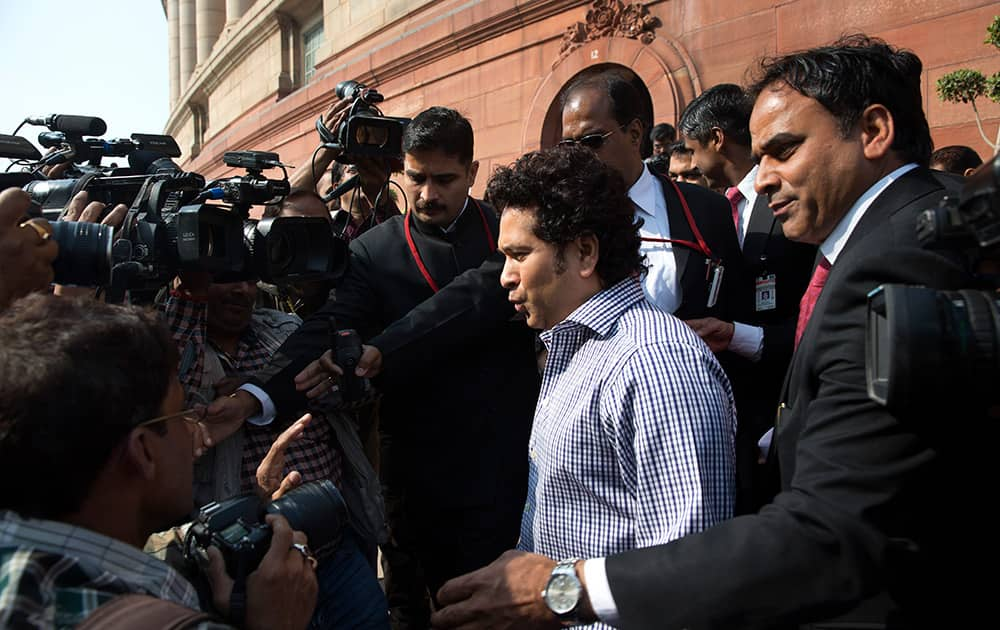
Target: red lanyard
<point x="701" y="246"/>
<point x="490" y="241"/>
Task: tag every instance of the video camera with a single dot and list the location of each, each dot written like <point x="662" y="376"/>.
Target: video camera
<point x="169" y="226"/>
<point x="236" y="526"/>
<point x="926" y="346"/>
<point x="366" y="132"/>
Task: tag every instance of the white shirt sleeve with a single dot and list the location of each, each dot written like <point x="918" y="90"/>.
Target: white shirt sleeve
<point x="599" y="592"/>
<point x="267" y="410"/>
<point x="747" y="341"/>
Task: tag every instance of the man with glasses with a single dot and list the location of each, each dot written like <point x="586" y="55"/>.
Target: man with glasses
<point x="95" y="455"/>
<point x="688" y="237"/>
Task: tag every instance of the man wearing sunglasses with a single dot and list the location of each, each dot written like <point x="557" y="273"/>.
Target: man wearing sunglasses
<point x="688" y="236"/>
<point x="96" y="454"/>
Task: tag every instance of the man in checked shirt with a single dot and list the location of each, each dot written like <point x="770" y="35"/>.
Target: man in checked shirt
<point x="632" y="441"/>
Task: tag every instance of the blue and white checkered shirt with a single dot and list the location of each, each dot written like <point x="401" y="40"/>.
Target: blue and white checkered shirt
<point x="632" y="443"/>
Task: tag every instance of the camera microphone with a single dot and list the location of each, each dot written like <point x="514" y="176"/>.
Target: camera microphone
<point x="348" y="184"/>
<point x="74" y="125"/>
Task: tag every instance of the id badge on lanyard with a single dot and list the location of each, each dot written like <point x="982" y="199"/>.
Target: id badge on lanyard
<point x="714" y="276"/>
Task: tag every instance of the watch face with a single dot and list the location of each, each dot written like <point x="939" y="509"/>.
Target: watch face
<point x="562" y="594"/>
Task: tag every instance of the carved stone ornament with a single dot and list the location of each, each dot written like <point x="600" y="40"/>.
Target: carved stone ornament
<point x="609" y="18"/>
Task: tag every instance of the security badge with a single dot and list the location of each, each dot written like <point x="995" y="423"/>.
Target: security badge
<point x="765" y="292"/>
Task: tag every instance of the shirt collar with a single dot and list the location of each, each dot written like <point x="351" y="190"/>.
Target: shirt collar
<point x="746" y="185"/>
<point x="645" y="191"/>
<point x="451" y="228"/>
<point x="602" y="310"/>
<point x="834" y="244"/>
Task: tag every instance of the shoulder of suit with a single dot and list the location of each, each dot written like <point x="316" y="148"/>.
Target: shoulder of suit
<point x="487" y="207"/>
<point x="387" y="230"/>
<point x="700" y="195"/>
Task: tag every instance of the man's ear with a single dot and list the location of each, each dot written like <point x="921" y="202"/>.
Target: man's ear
<point x="878" y="131"/>
<point x="634" y="131"/>
<point x="139" y="453"/>
<point x="717" y="139"/>
<point x="473" y="171"/>
<point x="589" y="250"/>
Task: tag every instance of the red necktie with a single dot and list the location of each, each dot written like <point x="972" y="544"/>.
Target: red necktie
<point x="808" y="302"/>
<point x="734" y="196"/>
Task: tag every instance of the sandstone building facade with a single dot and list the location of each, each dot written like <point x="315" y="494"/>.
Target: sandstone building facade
<point x="255" y="74"/>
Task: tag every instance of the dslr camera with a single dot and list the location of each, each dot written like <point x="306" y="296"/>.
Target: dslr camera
<point x="926" y="347"/>
<point x="237" y="527"/>
<point x="365" y="132"/>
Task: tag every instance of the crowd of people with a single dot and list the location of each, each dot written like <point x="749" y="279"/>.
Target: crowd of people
<point x="619" y="391"/>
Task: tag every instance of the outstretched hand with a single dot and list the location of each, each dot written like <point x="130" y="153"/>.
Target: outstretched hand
<point x="270" y="482"/>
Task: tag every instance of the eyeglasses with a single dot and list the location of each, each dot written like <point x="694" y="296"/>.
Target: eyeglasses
<point x="192" y="416"/>
<point x="592" y="141"/>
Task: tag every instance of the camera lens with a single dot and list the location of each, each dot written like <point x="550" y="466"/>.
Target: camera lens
<point x="280" y="253"/>
<point x="84" y="253"/>
<point x="348" y="90"/>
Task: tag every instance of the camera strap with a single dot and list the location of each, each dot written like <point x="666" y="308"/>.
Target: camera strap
<point x="491" y="242"/>
<point x="238" y="596"/>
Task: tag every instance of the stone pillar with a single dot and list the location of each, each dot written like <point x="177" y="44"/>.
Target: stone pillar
<point x="210" y="16"/>
<point x="235" y="10"/>
<point x="188" y="44"/>
<point x="173" y="48"/>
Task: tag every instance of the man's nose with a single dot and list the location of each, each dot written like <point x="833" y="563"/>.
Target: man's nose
<point x="507" y="278"/>
<point x="766" y="182"/>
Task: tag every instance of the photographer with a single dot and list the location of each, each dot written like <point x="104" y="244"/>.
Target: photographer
<point x="95" y="455"/>
<point x="26" y="251"/>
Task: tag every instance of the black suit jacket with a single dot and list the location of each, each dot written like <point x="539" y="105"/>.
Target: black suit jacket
<point x="463" y="413"/>
<point x="757" y="385"/>
<point x="713" y="216"/>
<point x="475" y="299"/>
<point x="868" y="508"/>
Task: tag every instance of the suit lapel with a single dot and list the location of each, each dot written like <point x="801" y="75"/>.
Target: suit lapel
<point x="679" y="229"/>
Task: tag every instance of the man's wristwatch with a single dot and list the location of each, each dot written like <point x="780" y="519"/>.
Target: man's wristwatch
<point x="563" y="592"/>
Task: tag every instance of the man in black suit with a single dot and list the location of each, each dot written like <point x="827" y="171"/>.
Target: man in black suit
<point x="756" y="346"/>
<point x="871" y="517"/>
<point x="455" y="425"/>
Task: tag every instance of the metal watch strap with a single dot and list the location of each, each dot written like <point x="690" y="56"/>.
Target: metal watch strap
<point x="568" y="567"/>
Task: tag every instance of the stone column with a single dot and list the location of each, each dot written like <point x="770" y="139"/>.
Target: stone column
<point x="210" y="16"/>
<point x="173" y="48"/>
<point x="235" y="10"/>
<point x="188" y="44"/>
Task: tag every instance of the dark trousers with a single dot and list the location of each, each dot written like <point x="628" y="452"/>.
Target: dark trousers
<point x="430" y="543"/>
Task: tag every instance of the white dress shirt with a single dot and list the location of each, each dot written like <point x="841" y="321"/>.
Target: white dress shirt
<point x="660" y="284"/>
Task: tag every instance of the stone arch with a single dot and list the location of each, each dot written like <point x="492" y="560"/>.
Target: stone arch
<point x="663" y="67"/>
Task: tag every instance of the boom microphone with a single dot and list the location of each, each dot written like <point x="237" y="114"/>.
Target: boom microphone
<point x="72" y="125"/>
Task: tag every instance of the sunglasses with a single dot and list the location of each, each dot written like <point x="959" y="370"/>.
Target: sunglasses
<point x="592" y="141"/>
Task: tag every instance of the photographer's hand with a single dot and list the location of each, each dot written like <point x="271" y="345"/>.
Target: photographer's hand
<point x="270" y="483"/>
<point x="319" y="376"/>
<point x="26" y="255"/>
<point x="79" y="209"/>
<point x="303" y="177"/>
<point x="370" y="363"/>
<point x="281" y="592"/>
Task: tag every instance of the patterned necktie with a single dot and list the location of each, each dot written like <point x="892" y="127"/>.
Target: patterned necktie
<point x="808" y="302"/>
<point x="734" y="196"/>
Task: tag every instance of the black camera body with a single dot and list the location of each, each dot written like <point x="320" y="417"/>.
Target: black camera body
<point x="925" y="346"/>
<point x="366" y="132"/>
<point x="237" y="528"/>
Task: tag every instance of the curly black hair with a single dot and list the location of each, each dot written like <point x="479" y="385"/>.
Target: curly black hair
<point x="75" y="377"/>
<point x="574" y="194"/>
<point x="850" y="75"/>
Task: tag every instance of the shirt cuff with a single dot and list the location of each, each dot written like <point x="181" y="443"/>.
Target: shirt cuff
<point x="747" y="341"/>
<point x="267" y="410"/>
<point x="599" y="591"/>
